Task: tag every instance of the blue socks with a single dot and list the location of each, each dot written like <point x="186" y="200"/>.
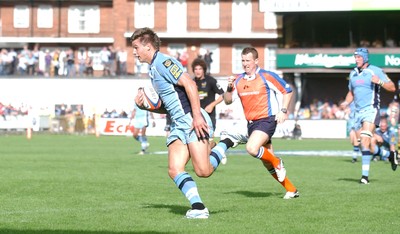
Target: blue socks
<point x="216" y="154"/>
<point x="188" y="187"/>
<point x="366" y="161"/>
<point x="381" y="152"/>
<point x="185" y="182"/>
<point x="143" y="142"/>
<point x="356" y="151"/>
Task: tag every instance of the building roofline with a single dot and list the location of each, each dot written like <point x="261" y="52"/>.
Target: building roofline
<point x="213" y="35"/>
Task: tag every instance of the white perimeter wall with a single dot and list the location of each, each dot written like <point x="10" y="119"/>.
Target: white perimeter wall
<point x="94" y="94"/>
<point x="98" y="94"/>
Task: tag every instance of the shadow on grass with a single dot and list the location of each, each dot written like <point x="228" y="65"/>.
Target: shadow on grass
<point x="178" y="210"/>
<point x="353" y="180"/>
<point x="255" y="194"/>
<point x="348" y="160"/>
<point x="13" y="231"/>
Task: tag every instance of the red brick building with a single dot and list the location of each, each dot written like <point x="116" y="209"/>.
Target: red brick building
<point x="184" y="26"/>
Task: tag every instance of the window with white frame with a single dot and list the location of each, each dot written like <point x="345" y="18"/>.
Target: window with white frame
<point x="213" y="49"/>
<point x="237" y="57"/>
<point x="209" y="14"/>
<point x="144" y="13"/>
<point x="45" y="16"/>
<point x="270" y="20"/>
<point x="270" y="56"/>
<point x="176" y="16"/>
<point x="241" y="16"/>
<point x="21" y="16"/>
<point x="84" y="19"/>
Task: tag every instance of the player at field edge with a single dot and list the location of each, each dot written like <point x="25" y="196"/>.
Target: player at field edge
<point x="354" y="140"/>
<point x="265" y="98"/>
<point x="139" y="122"/>
<point x="208" y="88"/>
<point x="364" y="90"/>
<point x="393" y="117"/>
<point x="191" y="126"/>
<point x="384" y="140"/>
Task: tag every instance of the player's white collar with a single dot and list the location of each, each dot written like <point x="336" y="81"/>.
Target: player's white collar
<point x="251" y="77"/>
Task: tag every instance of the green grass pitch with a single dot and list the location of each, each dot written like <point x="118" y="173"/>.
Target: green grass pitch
<point x="88" y="185"/>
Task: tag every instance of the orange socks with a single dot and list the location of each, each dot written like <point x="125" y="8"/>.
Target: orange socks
<point x="270" y="160"/>
<point x="267" y="156"/>
<point x="286" y="183"/>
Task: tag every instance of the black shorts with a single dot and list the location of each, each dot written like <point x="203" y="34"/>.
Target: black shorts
<point x="267" y="125"/>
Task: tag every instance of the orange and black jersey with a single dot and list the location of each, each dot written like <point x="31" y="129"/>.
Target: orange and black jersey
<point x="261" y="94"/>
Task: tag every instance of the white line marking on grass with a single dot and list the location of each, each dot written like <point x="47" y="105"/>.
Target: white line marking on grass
<point x="325" y="153"/>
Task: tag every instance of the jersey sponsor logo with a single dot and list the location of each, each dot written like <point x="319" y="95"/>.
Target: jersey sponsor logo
<point x="249" y="93"/>
<point x="167" y="63"/>
<point x="175" y="71"/>
<point x="202" y="94"/>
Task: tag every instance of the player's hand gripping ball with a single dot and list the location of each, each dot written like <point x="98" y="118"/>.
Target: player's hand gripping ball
<point x="151" y="100"/>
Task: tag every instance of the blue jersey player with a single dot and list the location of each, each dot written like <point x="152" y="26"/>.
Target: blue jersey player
<point x="384" y="140"/>
<point x="353" y="133"/>
<point x="364" y="88"/>
<point x="191" y="126"/>
<point x="140" y="121"/>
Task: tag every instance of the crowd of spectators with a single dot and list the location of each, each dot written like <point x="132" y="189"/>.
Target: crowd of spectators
<point x="318" y="109"/>
<point x="9" y="111"/>
<point x="114" y="114"/>
<point x="62" y="62"/>
<point x="321" y="110"/>
<point x="72" y="119"/>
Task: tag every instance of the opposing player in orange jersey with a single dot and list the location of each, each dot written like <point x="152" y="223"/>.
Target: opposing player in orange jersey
<point x="265" y="98"/>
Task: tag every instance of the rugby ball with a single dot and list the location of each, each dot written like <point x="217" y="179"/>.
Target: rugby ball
<point x="151" y="99"/>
